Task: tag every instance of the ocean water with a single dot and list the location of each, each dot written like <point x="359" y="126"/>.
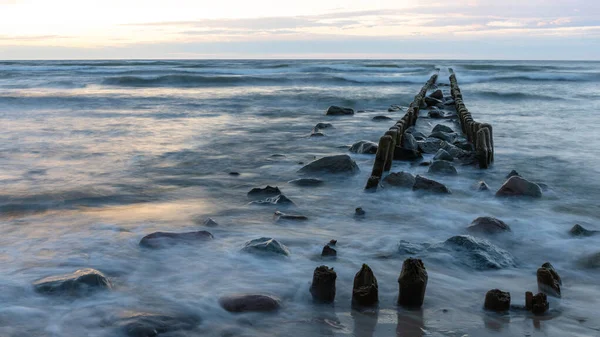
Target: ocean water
<point x="94" y="155"/>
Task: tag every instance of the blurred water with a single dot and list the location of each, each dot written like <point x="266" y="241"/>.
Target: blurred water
<point x="96" y="154"/>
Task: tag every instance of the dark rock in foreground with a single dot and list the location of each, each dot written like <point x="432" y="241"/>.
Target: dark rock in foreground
<point x="497" y="300"/>
<point x="166" y="239"/>
<point x="268" y="191"/>
<point x="322" y="288"/>
<point x="364" y="147"/>
<point x="400" y="179"/>
<point x="578" y="230"/>
<point x="249" y="303"/>
<point x="144" y="324"/>
<point x="80" y="282"/>
<point x="412" y="283"/>
<point x="517" y="186"/>
<point x="424" y="184"/>
<point x="266" y="246"/>
<point x="306" y="182"/>
<point x="332" y="164"/>
<point x="365" y="291"/>
<point x="442" y="167"/>
<point x="430" y="101"/>
<point x="335" y="110"/>
<point x="548" y="280"/>
<point x="537" y="304"/>
<point x="478" y="253"/>
<point x="488" y="225"/>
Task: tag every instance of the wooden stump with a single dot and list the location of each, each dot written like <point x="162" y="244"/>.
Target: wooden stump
<point x="322" y="288"/>
<point x="412" y="283"/>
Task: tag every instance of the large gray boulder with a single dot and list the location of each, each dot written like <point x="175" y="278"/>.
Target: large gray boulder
<point x="335" y="110"/>
<point x="442" y="167"/>
<point x="166" y="239"/>
<point x="364" y="147"/>
<point x="266" y="246"/>
<point x="400" y="179"/>
<point x="424" y="184"/>
<point x="80" y="282"/>
<point x="447" y="137"/>
<point x="479" y="253"/>
<point x="518" y="186"/>
<point x="332" y="164"/>
<point x="430" y="145"/>
<point x="409" y="142"/>
<point x="443" y="155"/>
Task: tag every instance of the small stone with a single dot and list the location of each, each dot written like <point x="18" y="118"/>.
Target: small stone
<point x="146" y="324"/>
<point x="365" y="291"/>
<point x="497" y="300"/>
<point x="332" y="242"/>
<point x="442" y="128"/>
<point x="249" y="303"/>
<point x="364" y="147"/>
<point x="80" y="282"/>
<point x="322" y="288"/>
<point x="210" y="223"/>
<point x="412" y="283"/>
<point x="409" y="142"/>
<point x="338" y="111"/>
<point x="437" y="95"/>
<point x="320" y="126"/>
<point x="266" y="246"/>
<point x="578" y="230"/>
<point x="278" y="200"/>
<point x="482" y="186"/>
<point x="165" y="239"/>
<point x="488" y="225"/>
<point x="264" y="192"/>
<point x="432" y="101"/>
<point x="234" y="173"/>
<point x="359" y="212"/>
<point x="328" y="251"/>
<point x="332" y="164"/>
<point x="306" y="182"/>
<point x="381" y="118"/>
<point x="317" y="134"/>
<point x="283" y="216"/>
<point x="447" y="137"/>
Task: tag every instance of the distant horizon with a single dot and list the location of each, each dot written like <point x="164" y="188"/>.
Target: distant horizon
<point x="298" y="59"/>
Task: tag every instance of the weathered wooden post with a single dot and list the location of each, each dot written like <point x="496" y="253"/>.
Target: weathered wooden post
<point x="412" y="283"/>
<point x="381" y="156"/>
<point x="322" y="288"/>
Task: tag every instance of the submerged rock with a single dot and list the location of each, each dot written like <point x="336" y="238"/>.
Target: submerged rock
<point x="209" y="222"/>
<point x="335" y="110"/>
<point x="268" y="191"/>
<point x="328" y="251"/>
<point x="365" y="291"/>
<point x="322" y="288"/>
<point x="266" y="246"/>
<point x="482" y="186"/>
<point x="80" y="282"/>
<point x="443" y="155"/>
<point x="497" y="300"/>
<point x="437" y="95"/>
<point x="442" y="128"/>
<point x="430" y="145"/>
<point x="442" y="167"/>
<point x="479" y="253"/>
<point x="364" y="147"/>
<point x="166" y="239"/>
<point x="306" y="182"/>
<point x="412" y="283"/>
<point x="320" y="126"/>
<point x="578" y="230"/>
<point x="283" y="216"/>
<point x="145" y="324"/>
<point x="332" y="164"/>
<point x="278" y="200"/>
<point x="317" y="134"/>
<point x="488" y="225"/>
<point x="359" y="211"/>
<point x="517" y="186"/>
<point x="381" y="118"/>
<point x="548" y="280"/>
<point x="400" y="179"/>
<point x="234" y="173"/>
<point x="424" y="184"/>
<point x="394" y="108"/>
<point x="249" y="303"/>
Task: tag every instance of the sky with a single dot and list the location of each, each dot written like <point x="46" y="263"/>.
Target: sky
<point x="384" y="29"/>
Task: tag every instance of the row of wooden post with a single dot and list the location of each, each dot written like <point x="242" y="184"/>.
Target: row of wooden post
<point x="394" y="137"/>
<point x="479" y="134"/>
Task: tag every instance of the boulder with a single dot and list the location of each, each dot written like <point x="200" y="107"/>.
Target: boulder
<point x="339" y="111"/>
<point x="322" y="288"/>
<point x="268" y="191"/>
<point x="381" y="118"/>
<point x="250" y="303"/>
<point x="146" y="324"/>
<point x="394" y="108"/>
<point x="590" y="261"/>
<point x="430" y="145"/>
<point x="278" y="200"/>
<point x="548" y="280"/>
<point x="436" y="114"/>
<point x="412" y="283"/>
<point x="321" y="126"/>
<point x="454" y="151"/>
<point x="266" y="246"/>
<point x="442" y="167"/>
<point x="80" y="282"/>
<point x="443" y="155"/>
<point x="447" y="137"/>
<point x="578" y="230"/>
<point x="332" y="164"/>
<point x="442" y="128"/>
<point x="166" y="239"/>
<point x="419" y="135"/>
<point x="400" y="179"/>
<point x="365" y="292"/>
<point x="283" y="216"/>
<point x="437" y="95"/>
<point x="497" y="300"/>
<point x="317" y="134"/>
<point x="409" y="142"/>
<point x="306" y="182"/>
<point x="364" y="147"/>
<point x="401" y="153"/>
<point x="424" y="184"/>
<point x="425" y="163"/>
<point x="430" y="101"/>
<point x="210" y="223"/>
<point x="488" y="225"/>
<point x="464" y="145"/>
<point x="478" y="253"/>
<point x="517" y="186"/>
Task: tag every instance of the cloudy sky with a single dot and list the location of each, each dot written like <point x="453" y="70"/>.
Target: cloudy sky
<point x="459" y="29"/>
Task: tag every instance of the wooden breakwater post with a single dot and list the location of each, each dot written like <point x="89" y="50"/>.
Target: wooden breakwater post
<point x="393" y="139"/>
<point x="481" y="135"/>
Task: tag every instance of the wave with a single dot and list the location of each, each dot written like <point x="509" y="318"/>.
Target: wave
<point x="183" y="81"/>
<point x="515" y="96"/>
<point x="535" y="77"/>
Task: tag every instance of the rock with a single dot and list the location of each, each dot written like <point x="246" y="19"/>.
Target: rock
<point x="145" y="324"/>
<point x="442" y="128"/>
<point x="578" y="230"/>
<point x="365" y="292"/>
<point x="359" y="212"/>
<point x="430" y="101"/>
<point x="437" y="95"/>
<point x="409" y="142"/>
<point x="449" y="102"/>
<point x="419" y="135"/>
<point x="364" y="147"/>
<point x="322" y="288"/>
<point x="278" y="200"/>
<point x="447" y="137"/>
<point x="548" y="280"/>
<point x="268" y="191"/>
<point x="497" y="300"/>
<point x="381" y="118"/>
<point x="590" y="261"/>
<point x="422" y="183"/>
<point x="482" y="186"/>
<point x="317" y="134"/>
<point x="210" y="223"/>
<point x="337" y="111"/>
<point x="328" y="251"/>
<point x="513" y="173"/>
<point x="234" y="174"/>
<point x="283" y="216"/>
<point x="488" y="225"/>
<point x="442" y="167"/>
<point x="266" y="246"/>
<point x="443" y="155"/>
<point x="436" y="114"/>
<point x="250" y="303"/>
<point x="80" y="282"/>
<point x="412" y="283"/>
<point x="400" y="179"/>
<point x="425" y="163"/>
<point x="306" y="182"/>
<point x="321" y="126"/>
<point x="401" y="153"/>
<point x="464" y="145"/>
<point x="538" y="303"/>
<point x="430" y="145"/>
<point x="478" y="253"/>
<point x="394" y="108"/>
<point x="453" y="150"/>
<point x="332" y="164"/>
<point x="332" y="242"/>
<point x="410" y="129"/>
<point x="165" y="239"/>
<point x="517" y="186"/>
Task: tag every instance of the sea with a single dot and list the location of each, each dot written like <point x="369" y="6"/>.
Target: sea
<point x="94" y="155"/>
